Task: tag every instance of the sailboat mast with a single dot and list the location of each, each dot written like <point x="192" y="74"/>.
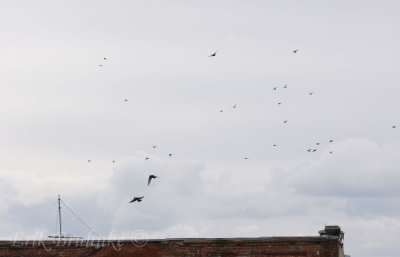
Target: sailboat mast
<point x="59" y="213"/>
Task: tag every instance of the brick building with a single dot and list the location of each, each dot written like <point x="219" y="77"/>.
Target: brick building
<point x="328" y="244"/>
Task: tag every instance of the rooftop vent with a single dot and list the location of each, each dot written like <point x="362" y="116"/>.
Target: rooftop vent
<point x="333" y="230"/>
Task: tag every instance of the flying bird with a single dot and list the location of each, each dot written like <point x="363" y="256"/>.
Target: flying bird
<point x="314" y="150"/>
<point x="274" y="145"/>
<point x="285" y="86"/>
<point x="126" y="100"/>
<point x="285" y="121"/>
<point x="139" y="199"/>
<point x="170" y="154"/>
<point x="146" y="158"/>
<point x="331" y="152"/>
<point x="317" y="143"/>
<point x="113" y="161"/>
<point x="150" y="178"/>
<point x="234" y="106"/>
<point x="89" y="160"/>
<point x="154" y="146"/>
<point x="279" y="103"/>
<point x="245" y="158"/>
<point x="101" y="65"/>
<point x="214" y="54"/>
<point x="394" y="126"/>
<point x="220" y="110"/>
<point x="274" y="88"/>
<point x="295" y="51"/>
<point x="104" y="58"/>
<point x="330" y="141"/>
<point x="311" y="93"/>
<point x="309" y="150"/>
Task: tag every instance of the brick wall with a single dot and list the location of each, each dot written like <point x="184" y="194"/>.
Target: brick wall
<point x="241" y="247"/>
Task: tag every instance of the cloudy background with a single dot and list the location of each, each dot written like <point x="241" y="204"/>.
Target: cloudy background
<point x="59" y="108"/>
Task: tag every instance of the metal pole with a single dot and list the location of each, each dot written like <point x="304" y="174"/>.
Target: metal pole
<point x="59" y="213"/>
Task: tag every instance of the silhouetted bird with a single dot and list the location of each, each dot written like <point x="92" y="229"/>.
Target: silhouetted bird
<point x="220" y="110"/>
<point x="295" y="51"/>
<point x="234" y="106"/>
<point x="213" y="55"/>
<point x="314" y="150"/>
<point x="285" y="86"/>
<point x="331" y="152"/>
<point x="317" y="143"/>
<point x="154" y="146"/>
<point x="146" y="158"/>
<point x="101" y="65"/>
<point x="330" y="141"/>
<point x="113" y="161"/>
<point x="245" y="158"/>
<point x="394" y="126"/>
<point x="139" y="199"/>
<point x="170" y="154"/>
<point x="274" y="145"/>
<point x="308" y="150"/>
<point x="274" y="88"/>
<point x="311" y="93"/>
<point x="150" y="178"/>
<point x="89" y="160"/>
<point x="105" y="58"/>
<point x="285" y="121"/>
<point x="279" y="103"/>
<point x="126" y="100"/>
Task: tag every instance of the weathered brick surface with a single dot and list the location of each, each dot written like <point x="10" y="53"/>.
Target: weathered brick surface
<point x="244" y="247"/>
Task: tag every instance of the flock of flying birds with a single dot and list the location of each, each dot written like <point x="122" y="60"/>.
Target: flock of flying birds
<point x="214" y="54"/>
<point x="139" y="198"/>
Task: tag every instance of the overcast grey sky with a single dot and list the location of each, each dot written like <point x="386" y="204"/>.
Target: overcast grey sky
<point x="60" y="108"/>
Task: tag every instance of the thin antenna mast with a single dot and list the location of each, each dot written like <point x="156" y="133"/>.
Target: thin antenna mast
<point x="59" y="213"/>
<point x="60" y="234"/>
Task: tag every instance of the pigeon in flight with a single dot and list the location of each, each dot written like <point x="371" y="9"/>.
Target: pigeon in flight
<point x="139" y="199"/>
<point x="314" y="150"/>
<point x="285" y="121"/>
<point x="274" y="145"/>
<point x="234" y="106"/>
<point x="311" y="93"/>
<point x="317" y="143"/>
<point x="214" y="54"/>
<point x="126" y="100"/>
<point x="279" y="103"/>
<point x="101" y="65"/>
<point x="104" y="58"/>
<point x="89" y="160"/>
<point x="330" y="141"/>
<point x="394" y="126"/>
<point x="150" y="178"/>
<point x="113" y="161"/>
<point x="154" y="146"/>
<point x="274" y="88"/>
<point x="220" y="110"/>
<point x="309" y="150"/>
<point x="245" y="158"/>
<point x="170" y="154"/>
<point x="331" y="152"/>
<point x="146" y="158"/>
<point x="295" y="51"/>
